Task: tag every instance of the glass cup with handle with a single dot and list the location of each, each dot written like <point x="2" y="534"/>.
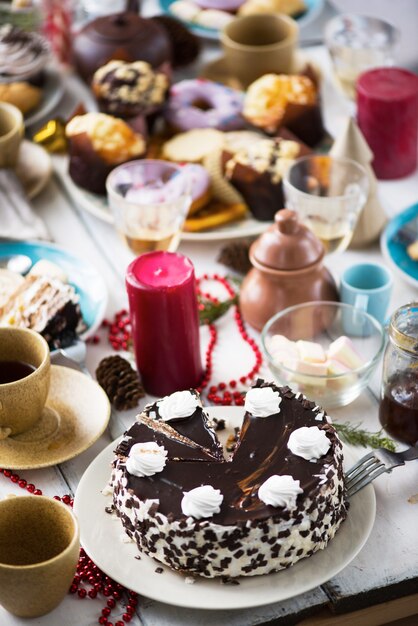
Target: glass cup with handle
<point x="149" y="200"/>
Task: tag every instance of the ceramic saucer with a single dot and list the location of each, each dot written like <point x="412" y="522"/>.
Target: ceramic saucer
<point x="217" y="70"/>
<point x="34" y="168"/>
<point x="77" y="412"/>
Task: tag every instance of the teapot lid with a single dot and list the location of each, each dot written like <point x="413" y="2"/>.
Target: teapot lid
<point x="118" y="28"/>
<point x="287" y="244"/>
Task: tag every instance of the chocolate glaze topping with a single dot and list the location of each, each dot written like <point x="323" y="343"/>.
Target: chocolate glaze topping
<point x="261" y="452"/>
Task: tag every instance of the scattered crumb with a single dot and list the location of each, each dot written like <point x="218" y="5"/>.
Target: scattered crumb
<point x="189" y="580"/>
<point x="413" y="499"/>
<point x="229" y="581"/>
<point x="220" y="424"/>
<point x="159" y="570"/>
<point x="110" y="509"/>
<point x="138" y="557"/>
<point x="107" y="490"/>
<point x="125" y="538"/>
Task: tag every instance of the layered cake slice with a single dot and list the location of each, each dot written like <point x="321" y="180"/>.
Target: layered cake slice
<point x="279" y="498"/>
<point x="47" y="305"/>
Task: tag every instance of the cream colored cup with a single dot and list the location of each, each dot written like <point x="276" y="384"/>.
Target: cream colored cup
<point x="22" y="401"/>
<point x="39" y="550"/>
<point x="11" y="133"/>
<point x="255" y="45"/>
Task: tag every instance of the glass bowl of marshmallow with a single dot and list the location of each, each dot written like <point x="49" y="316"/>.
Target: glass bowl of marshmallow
<point x="326" y="351"/>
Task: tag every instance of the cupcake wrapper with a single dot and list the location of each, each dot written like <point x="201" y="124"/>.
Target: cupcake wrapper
<point x="222" y="190"/>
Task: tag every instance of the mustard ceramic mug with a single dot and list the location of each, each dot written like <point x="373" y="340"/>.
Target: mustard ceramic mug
<point x="25" y="362"/>
<point x="255" y="45"/>
<point x="11" y="133"/>
<point x="39" y="550"/>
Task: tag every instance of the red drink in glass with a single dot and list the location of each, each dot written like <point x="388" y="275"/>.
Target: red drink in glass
<point x="165" y="323"/>
<point x="387" y="114"/>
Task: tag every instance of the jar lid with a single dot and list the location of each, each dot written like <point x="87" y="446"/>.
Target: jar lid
<point x="287" y="244"/>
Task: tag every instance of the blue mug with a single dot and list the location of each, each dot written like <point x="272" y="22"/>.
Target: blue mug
<point x="368" y="287"/>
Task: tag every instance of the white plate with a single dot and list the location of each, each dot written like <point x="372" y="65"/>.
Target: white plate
<point x="101" y="537"/>
<point x="98" y="206"/>
<point x="52" y="91"/>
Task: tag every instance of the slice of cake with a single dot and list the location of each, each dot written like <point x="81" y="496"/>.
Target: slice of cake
<point x="47" y="305"/>
<point x="279" y="498"/>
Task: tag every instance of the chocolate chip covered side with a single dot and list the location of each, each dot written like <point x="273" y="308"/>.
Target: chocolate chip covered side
<point x="244" y="536"/>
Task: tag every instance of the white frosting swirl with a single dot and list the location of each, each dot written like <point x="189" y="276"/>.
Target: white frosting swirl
<point x="309" y="442"/>
<point x="280" y="491"/>
<point x="262" y="402"/>
<point x="178" y="405"/>
<point x="146" y="459"/>
<point x="202" y="501"/>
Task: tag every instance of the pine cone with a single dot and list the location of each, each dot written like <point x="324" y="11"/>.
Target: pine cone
<point x="236" y="256"/>
<point x="185" y="45"/>
<point x="120" y="382"/>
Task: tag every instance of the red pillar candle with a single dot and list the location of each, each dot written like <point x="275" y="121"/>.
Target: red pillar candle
<point x="165" y="323"/>
<point x="387" y="114"/>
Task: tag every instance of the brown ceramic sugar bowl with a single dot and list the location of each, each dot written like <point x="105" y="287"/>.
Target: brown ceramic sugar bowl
<point x="39" y="550"/>
<point x="22" y="401"/>
<point x="287" y="269"/>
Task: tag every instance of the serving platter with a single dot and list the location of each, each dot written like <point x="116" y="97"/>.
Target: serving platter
<point x="313" y="9"/>
<point x="104" y="540"/>
<point x="394" y="249"/>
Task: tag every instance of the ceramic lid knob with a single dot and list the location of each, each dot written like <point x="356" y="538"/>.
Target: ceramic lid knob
<point x="287" y="244"/>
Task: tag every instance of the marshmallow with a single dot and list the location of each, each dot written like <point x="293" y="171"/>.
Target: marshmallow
<point x="342" y="350"/>
<point x="278" y="344"/>
<point x="335" y="368"/>
<point x="311" y="352"/>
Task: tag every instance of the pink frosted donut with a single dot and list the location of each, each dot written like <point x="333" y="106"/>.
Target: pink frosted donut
<point x="220" y="5"/>
<point x="199" y="185"/>
<point x="184" y="110"/>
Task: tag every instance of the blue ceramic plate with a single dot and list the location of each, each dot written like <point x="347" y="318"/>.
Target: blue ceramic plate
<point x="87" y="282"/>
<point x="394" y="240"/>
<point x="314" y="8"/>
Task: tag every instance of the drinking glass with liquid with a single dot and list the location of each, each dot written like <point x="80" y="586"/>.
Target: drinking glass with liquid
<point x="398" y="411"/>
<point x="150" y="200"/>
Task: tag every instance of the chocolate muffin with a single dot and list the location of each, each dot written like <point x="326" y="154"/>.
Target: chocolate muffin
<point x="129" y="89"/>
<point x="256" y="171"/>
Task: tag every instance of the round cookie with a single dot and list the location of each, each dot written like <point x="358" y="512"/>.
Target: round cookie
<point x="194" y="145"/>
<point x="22" y="95"/>
<point x="201" y="103"/>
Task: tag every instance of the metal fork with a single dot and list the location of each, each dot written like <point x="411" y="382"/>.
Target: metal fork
<point x="373" y="465"/>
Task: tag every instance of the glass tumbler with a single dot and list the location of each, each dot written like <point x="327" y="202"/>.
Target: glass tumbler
<point x="357" y="43"/>
<point x="328" y="193"/>
<point x="149" y="200"/>
<point x="398" y="411"/>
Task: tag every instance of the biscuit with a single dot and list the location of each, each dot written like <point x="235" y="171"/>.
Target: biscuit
<point x="24" y="96"/>
<point x="194" y="145"/>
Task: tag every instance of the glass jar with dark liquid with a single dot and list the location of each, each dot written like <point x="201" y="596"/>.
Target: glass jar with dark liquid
<point x="398" y="411"/>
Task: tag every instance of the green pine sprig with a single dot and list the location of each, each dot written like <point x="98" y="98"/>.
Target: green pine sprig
<point x="209" y="312"/>
<point x="356" y="436"/>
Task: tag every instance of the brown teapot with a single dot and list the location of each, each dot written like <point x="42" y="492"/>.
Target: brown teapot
<point x="287" y="269"/>
<point x="124" y="36"/>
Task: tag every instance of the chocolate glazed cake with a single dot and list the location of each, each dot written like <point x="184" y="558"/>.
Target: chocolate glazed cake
<point x="279" y="498"/>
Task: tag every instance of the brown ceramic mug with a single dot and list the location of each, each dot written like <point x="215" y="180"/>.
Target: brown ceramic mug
<point x="255" y="45"/>
<point x="39" y="550"/>
<point x="22" y="401"/>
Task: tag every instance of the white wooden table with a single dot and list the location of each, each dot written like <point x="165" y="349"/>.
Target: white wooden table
<point x="389" y="561"/>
